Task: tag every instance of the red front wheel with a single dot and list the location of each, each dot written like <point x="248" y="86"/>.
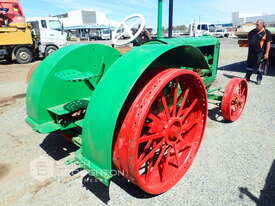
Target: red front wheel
<point x="234" y="99"/>
<point x="162" y="131"/>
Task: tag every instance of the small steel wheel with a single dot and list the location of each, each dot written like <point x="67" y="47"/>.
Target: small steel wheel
<point x="162" y="131"/>
<point x="234" y="99"/>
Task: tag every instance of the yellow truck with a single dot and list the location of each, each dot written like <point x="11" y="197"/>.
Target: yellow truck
<point x="17" y="41"/>
<point x="24" y="40"/>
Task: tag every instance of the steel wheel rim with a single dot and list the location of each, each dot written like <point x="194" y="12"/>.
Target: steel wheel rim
<point x="234" y="100"/>
<point x="179" y="125"/>
<point x="238" y="100"/>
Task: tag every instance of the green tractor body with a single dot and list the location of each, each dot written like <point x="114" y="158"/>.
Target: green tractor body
<point x="84" y="90"/>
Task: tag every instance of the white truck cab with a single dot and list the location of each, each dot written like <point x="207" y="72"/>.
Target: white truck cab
<point x="49" y="33"/>
<point x="202" y="29"/>
<point x="220" y="33"/>
<point x="106" y="34"/>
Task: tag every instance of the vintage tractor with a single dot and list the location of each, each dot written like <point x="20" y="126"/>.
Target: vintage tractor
<point x="143" y="113"/>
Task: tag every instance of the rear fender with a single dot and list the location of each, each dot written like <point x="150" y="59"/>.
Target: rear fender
<point x="112" y="92"/>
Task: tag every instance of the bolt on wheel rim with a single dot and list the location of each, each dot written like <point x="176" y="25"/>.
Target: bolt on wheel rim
<point x="162" y="131"/>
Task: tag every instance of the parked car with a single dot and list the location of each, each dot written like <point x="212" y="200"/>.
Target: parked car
<point x="94" y="36"/>
<point x="219" y="33"/>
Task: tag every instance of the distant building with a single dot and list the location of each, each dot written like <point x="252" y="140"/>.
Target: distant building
<point x="87" y="24"/>
<point x="85" y="17"/>
<point x="239" y="18"/>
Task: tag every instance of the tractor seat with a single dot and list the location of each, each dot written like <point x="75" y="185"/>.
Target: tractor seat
<point x="72" y="75"/>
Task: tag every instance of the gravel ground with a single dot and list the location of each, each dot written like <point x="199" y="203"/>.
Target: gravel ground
<point x="235" y="165"/>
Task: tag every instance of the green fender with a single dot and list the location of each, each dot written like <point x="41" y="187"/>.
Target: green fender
<point x="111" y="93"/>
<point x="45" y="90"/>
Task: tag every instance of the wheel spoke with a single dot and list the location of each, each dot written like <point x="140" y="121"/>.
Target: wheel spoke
<point x="165" y="165"/>
<point x="150" y="154"/>
<point x="183" y="101"/>
<point x="242" y="99"/>
<point x="235" y="96"/>
<point x="189" y="126"/>
<point x="185" y="148"/>
<point x="146" y="138"/>
<point x="243" y="92"/>
<point x="194" y="103"/>
<point x="148" y="170"/>
<point x="161" y="155"/>
<point x="185" y="157"/>
<point x="149" y="166"/>
<point x="185" y="143"/>
<point x="165" y="105"/>
<point x="156" y="165"/>
<point x="147" y="146"/>
<point x="187" y="140"/>
<point x="153" y="127"/>
<point x="148" y="124"/>
<point x="175" y="100"/>
<point x="234" y="108"/>
<point x="154" y="118"/>
<point x="176" y="155"/>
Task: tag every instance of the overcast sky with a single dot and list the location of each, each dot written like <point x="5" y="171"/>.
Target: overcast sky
<point x="212" y="11"/>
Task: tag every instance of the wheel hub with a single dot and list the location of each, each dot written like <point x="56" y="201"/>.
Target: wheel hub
<point x="173" y="130"/>
<point x="238" y="102"/>
<point x="24" y="55"/>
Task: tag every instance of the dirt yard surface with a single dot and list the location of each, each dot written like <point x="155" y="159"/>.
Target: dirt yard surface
<point x="235" y="165"/>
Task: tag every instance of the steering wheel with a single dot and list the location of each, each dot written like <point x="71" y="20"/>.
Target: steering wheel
<point x="124" y="29"/>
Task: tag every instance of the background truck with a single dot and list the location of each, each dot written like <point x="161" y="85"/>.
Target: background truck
<point x="105" y="34"/>
<point x="201" y="29"/>
<point x="49" y="33"/>
<point x="101" y="34"/>
<point x="25" y="40"/>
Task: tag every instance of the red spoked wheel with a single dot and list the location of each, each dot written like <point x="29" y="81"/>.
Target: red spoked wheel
<point x="234" y="99"/>
<point x="162" y="131"/>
